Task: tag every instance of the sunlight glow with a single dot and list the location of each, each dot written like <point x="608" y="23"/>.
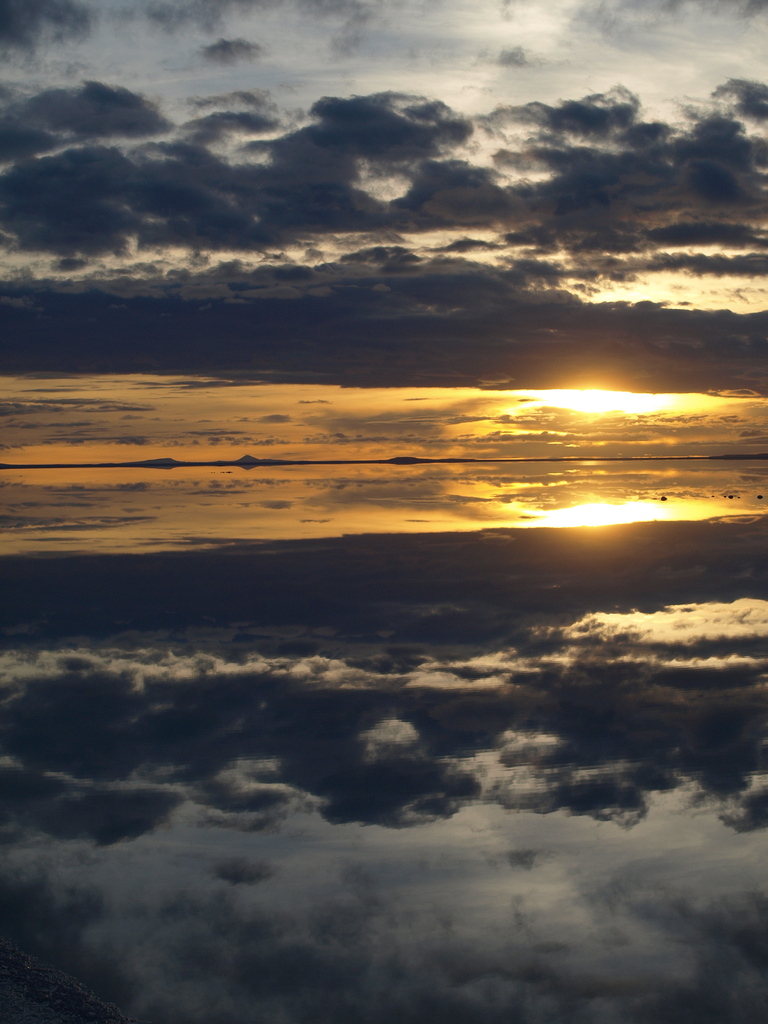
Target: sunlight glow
<point x="603" y="515"/>
<point x="597" y="402"/>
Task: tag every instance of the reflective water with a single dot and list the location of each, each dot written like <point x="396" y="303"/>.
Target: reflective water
<point x="155" y="509"/>
<point x="256" y="769"/>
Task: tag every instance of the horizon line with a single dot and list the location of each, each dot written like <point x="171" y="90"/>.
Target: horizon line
<point x="249" y="462"/>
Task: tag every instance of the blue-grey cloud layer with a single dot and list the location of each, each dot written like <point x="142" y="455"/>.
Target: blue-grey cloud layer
<point x="612" y="194"/>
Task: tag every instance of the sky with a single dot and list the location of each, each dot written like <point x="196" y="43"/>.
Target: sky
<point x="340" y="191"/>
<point x="323" y="742"/>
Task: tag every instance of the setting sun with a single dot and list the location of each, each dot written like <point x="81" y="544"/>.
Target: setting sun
<point x="596" y="402"/>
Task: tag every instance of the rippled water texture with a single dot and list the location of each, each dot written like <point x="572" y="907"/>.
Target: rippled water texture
<point x="359" y="744"/>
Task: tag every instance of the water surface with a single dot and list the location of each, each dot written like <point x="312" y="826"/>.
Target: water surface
<point x="366" y="744"/>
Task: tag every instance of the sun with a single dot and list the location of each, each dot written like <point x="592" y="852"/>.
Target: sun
<point x="597" y="402"/>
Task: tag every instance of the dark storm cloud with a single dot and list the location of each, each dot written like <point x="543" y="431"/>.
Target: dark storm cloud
<point x="311" y="181"/>
<point x="390" y="259"/>
<point x="316" y="734"/>
<point x="387" y="125"/>
<point x="24" y="23"/>
<point x="231" y="51"/>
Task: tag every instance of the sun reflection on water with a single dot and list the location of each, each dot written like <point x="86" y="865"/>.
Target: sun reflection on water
<point x="598" y="514"/>
<point x="103" y="509"/>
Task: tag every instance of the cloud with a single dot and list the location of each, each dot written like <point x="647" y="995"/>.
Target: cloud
<point x="751" y="98"/>
<point x="317" y="167"/>
<point x="611" y="193"/>
<point x="174" y="14"/>
<point x="40" y="123"/>
<point x="94" y="111"/>
<point x="515" y="57"/>
<point x="231" y="51"/>
<point x="749" y="265"/>
<point x="483" y="317"/>
<point x="51" y="406"/>
<point x="596" y="115"/>
<point x="681" y="624"/>
<point x="702" y="232"/>
<point x="107" y="816"/>
<point x="311" y="182"/>
<point x="593" y="737"/>
<point x="25" y="23"/>
<point x="37" y="197"/>
<point x="93" y="199"/>
<point x="239" y="871"/>
<point x="352" y="17"/>
<point x="213" y="127"/>
<point x="259" y="98"/>
<point x="18" y="142"/>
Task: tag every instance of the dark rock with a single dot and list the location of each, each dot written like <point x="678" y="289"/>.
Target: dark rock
<point x="33" y="993"/>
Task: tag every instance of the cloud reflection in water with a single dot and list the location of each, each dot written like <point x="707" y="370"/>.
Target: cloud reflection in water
<point x="367" y="778"/>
